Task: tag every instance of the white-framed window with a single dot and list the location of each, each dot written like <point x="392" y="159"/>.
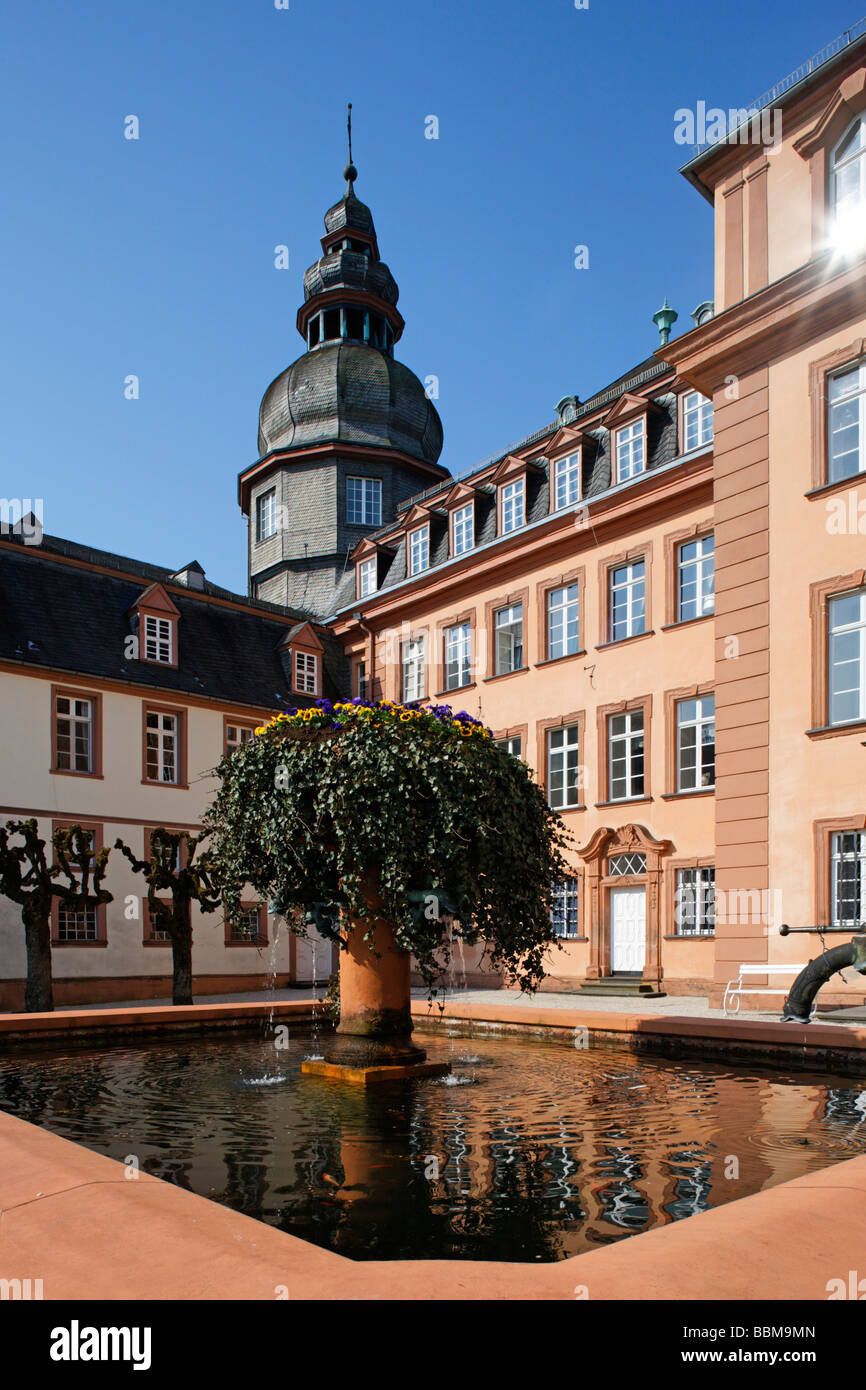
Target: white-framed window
<point x="458" y="656"/>
<point x="419" y="550"/>
<point x="361" y="680"/>
<point x="695" y="902"/>
<point x="247" y="925"/>
<point x="158" y="639"/>
<point x="848" y="879"/>
<point x="464" y="529"/>
<point x="512" y="745"/>
<point x="846" y="628"/>
<point x="566" y="480"/>
<point x="74" y="921"/>
<point x="513" y="506"/>
<point x="266" y="514"/>
<point x="696" y="743"/>
<point x="696" y="562"/>
<point x="161" y="747"/>
<point x="627" y="590"/>
<point x="564" y="907"/>
<point x="848" y="179"/>
<point x="367" y="576"/>
<point x="237" y="735"/>
<point x="697" y="421"/>
<point x="564" y="779"/>
<point x="846" y="422"/>
<point x="74" y="740"/>
<point x="625" y="740"/>
<point x="630" y="450"/>
<point x="306" y="673"/>
<point x="364" y="501"/>
<point x="508" y="637"/>
<point x="563" y="636"/>
<point x="414" y="672"/>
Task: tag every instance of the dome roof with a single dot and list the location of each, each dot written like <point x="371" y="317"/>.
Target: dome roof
<point x="351" y="213"/>
<point x="352" y="270"/>
<point x="352" y="394"/>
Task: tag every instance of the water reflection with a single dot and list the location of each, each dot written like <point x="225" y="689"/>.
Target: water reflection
<point x="544" y="1152"/>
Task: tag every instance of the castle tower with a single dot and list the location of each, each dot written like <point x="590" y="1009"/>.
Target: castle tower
<point x="346" y="433"/>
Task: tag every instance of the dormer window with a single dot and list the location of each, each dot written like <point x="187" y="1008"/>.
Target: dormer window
<point x="848" y="180"/>
<point x="464" y="529"/>
<point x="306" y="673"/>
<point x="158" y="643"/>
<point x="566" y="481"/>
<point x="419" y="550"/>
<point x="367" y="577"/>
<point x="513" y="504"/>
<point x="697" y="421"/>
<point x="630" y="450"/>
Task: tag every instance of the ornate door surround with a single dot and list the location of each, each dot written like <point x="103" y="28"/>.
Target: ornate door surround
<point x="603" y="846"/>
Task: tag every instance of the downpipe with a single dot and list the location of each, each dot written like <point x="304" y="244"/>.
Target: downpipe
<point x="798" y="1005"/>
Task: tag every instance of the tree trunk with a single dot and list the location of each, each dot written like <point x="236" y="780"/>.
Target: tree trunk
<point x="38" y="991"/>
<point x="181" y="963"/>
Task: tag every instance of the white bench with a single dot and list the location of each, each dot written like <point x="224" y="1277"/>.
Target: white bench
<point x="739" y="986"/>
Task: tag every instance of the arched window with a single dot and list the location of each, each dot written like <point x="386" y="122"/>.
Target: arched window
<point x="848" y="175"/>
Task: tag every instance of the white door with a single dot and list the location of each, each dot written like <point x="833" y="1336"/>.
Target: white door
<point x="627" y="930"/>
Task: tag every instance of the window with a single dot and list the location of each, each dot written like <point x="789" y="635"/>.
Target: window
<point x="458" y="656"/>
<point x="848" y="178"/>
<point x="266" y="515"/>
<point x="246" y="928"/>
<point x="512" y="745"/>
<point x="847" y="879"/>
<point x="361" y="680"/>
<point x="566" y="475"/>
<point x="562" y="621"/>
<point x="696" y="743"/>
<point x="74" y="734"/>
<point x="237" y="735"/>
<point x="158" y="639"/>
<point x="626" y="755"/>
<point x="563" y="767"/>
<point x="306" y="673"/>
<point x="695" y="907"/>
<point x="626" y="865"/>
<point x="367" y="577"/>
<point x="564" y="907"/>
<point x="414" y="687"/>
<point x="697" y="421"/>
<point x="513" y="513"/>
<point x="508" y="633"/>
<point x="419" y="550"/>
<point x="364" y="501"/>
<point x="846" y="422"/>
<point x="847" y="657"/>
<point x="630" y="458"/>
<point x="73" y="921"/>
<point x="161" y="760"/>
<point x="464" y="529"/>
<point x="696" y="578"/>
<point x="627" y="600"/>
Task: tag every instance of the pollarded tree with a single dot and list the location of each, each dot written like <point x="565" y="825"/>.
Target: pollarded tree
<point x="172" y="868"/>
<point x="28" y="879"/>
<point x="401" y="816"/>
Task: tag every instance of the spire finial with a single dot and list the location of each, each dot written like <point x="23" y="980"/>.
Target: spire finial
<point x="350" y="173"/>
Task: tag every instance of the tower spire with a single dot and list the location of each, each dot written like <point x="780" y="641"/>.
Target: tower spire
<point x="350" y="173"/>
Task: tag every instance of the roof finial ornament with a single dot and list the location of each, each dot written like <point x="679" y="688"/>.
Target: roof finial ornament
<point x="350" y="173"/>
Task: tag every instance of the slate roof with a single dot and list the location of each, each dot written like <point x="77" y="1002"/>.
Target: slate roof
<point x="75" y="619"/>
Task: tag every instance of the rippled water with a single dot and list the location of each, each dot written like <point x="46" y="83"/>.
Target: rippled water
<point x="528" y="1151"/>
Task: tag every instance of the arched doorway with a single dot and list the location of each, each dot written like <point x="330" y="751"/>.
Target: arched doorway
<point x="623" y="885"/>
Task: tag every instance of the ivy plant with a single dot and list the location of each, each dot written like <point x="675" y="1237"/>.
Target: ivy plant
<point x="418" y="804"/>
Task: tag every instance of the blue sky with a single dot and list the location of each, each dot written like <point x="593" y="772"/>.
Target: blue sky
<point x="155" y="257"/>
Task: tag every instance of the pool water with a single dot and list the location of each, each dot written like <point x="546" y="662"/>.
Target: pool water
<point x="527" y="1151"/>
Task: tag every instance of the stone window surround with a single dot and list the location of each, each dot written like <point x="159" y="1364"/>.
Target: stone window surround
<point x="95" y="698"/>
<point x="819" y="594"/>
<point x="603" y="714"/>
<point x="577" y="719"/>
<point x="66" y="823"/>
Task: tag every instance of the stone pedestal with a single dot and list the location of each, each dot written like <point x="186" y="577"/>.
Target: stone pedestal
<point x="373" y="1041"/>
